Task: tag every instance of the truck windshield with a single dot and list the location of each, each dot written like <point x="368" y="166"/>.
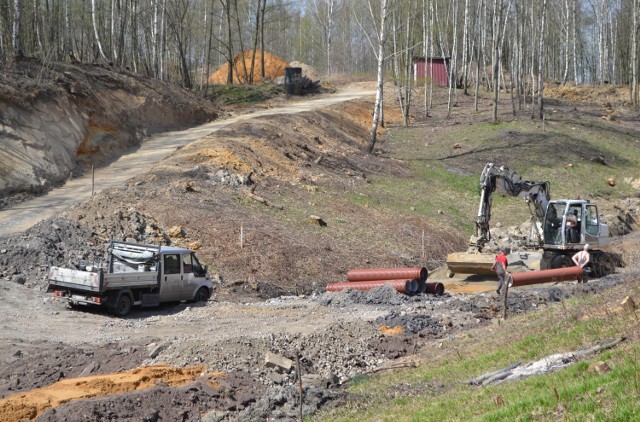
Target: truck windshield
<point x="197" y="268"/>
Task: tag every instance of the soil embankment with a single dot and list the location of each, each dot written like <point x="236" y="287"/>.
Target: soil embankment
<point x="57" y="121"/>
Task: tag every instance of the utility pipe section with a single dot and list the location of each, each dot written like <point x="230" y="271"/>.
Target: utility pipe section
<point x="402" y="286"/>
<point x="411" y="273"/>
<point x="547" y="276"/>
<point x="434" y="288"/>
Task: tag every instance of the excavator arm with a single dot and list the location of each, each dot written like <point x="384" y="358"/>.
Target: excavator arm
<point x="506" y="182"/>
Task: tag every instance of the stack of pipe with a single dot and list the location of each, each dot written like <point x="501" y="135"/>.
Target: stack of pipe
<point x="405" y="280"/>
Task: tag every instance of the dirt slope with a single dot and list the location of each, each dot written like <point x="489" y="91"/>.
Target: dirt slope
<point x="57" y="121"/>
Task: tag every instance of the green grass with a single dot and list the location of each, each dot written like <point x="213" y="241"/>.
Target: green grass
<point x="438" y="391"/>
<point x="243" y="94"/>
<point x="446" y="178"/>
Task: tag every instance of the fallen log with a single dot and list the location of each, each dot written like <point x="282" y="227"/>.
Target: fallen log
<point x="261" y="199"/>
<point x="551" y="363"/>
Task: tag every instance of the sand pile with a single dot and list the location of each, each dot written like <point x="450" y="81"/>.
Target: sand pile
<point x="274" y="67"/>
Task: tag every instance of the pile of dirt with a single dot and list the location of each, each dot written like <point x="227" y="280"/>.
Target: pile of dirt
<point x="33" y="403"/>
<point x="273" y="67"/>
<point x="606" y="94"/>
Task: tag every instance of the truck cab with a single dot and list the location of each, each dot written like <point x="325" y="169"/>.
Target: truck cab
<point x="181" y="274"/>
<point x="568" y="226"/>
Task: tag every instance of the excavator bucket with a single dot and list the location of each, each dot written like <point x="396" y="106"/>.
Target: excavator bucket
<point x="467" y="263"/>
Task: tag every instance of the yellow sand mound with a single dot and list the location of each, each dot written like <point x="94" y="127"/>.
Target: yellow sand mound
<point x="273" y="65"/>
<point x="30" y="404"/>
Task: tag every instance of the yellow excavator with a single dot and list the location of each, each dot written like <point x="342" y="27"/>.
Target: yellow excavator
<point x="559" y="228"/>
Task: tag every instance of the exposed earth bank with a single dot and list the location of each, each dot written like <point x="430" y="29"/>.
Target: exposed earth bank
<point x="56" y="121"/>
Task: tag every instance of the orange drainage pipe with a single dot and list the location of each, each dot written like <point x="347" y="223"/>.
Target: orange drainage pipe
<point x="417" y="273"/>
<point x="547" y="276"/>
<point x="403" y="286"/>
<point x="434" y="288"/>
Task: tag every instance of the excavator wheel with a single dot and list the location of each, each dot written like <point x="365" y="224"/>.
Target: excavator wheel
<point x="561" y="261"/>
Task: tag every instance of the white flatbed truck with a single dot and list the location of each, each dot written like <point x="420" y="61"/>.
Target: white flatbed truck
<point x="136" y="275"/>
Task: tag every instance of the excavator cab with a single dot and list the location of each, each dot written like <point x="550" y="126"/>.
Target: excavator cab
<point x="569" y="224"/>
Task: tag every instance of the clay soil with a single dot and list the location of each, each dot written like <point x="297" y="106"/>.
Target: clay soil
<point x="273" y="180"/>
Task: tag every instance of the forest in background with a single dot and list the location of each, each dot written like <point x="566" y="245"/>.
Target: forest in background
<point x="494" y="42"/>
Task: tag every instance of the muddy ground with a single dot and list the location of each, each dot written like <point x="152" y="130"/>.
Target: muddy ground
<point x="269" y="309"/>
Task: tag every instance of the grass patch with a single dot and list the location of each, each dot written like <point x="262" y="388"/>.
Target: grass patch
<point x="243" y="94"/>
<point x="438" y="389"/>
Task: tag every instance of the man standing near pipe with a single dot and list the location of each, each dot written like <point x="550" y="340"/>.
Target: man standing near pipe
<point x="500" y="267"/>
<point x="581" y="259"/>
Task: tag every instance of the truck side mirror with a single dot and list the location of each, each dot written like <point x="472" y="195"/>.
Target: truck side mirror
<point x="206" y="269"/>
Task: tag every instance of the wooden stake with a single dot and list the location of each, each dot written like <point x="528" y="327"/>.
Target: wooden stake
<point x="93" y="180"/>
<point x="299" y="384"/>
<point x="506" y="295"/>
<point x="241" y="236"/>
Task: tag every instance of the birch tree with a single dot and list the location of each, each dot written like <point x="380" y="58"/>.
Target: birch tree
<point x="95" y="29"/>
<point x="634" y="55"/>
<point x="498" y="7"/>
<point x="15" y="33"/>
<point x="541" y="57"/>
<point x="373" y="133"/>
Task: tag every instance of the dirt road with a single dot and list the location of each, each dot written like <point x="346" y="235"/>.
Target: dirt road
<point x="26" y="214"/>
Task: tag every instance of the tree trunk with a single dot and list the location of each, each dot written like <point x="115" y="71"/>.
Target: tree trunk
<point x="154" y="39"/>
<point x="112" y="40"/>
<point x="16" y="41"/>
<point x="163" y="31"/>
<point x="68" y="43"/>
<point x="425" y="49"/>
<point x="634" y="56"/>
<point x="565" y="77"/>
<point x="479" y="28"/>
<point x="95" y="29"/>
<point x="541" y="61"/>
<point x="497" y="18"/>
<point x="243" y="62"/>
<point x="226" y="6"/>
<point x="262" y="17"/>
<point x="452" y="67"/>
<point x="256" y="35"/>
<point x="465" y="47"/>
<point x="373" y="133"/>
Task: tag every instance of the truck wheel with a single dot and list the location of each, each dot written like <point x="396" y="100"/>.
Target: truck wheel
<point x="122" y="306"/>
<point x="202" y="295"/>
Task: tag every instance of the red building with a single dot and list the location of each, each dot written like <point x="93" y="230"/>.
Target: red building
<point x="432" y="67"/>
